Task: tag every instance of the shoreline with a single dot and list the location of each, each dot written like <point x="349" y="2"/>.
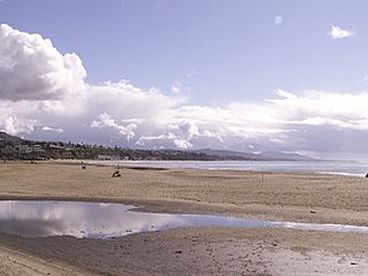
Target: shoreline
<point x="193" y="204"/>
<point x="160" y="165"/>
<point x="265" y="203"/>
<point x="212" y="250"/>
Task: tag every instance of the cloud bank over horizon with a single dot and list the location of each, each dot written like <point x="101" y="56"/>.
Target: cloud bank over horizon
<point x="44" y="95"/>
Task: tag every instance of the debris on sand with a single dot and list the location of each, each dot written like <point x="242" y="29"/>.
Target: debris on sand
<point x="116" y="173"/>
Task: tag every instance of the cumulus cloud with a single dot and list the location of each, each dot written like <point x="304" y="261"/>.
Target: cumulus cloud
<point x="123" y="114"/>
<point x="32" y="68"/>
<point x="12" y="120"/>
<point x="179" y="134"/>
<point x="337" y="32"/>
<point x="105" y="120"/>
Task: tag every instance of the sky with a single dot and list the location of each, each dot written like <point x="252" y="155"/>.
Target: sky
<point x="239" y="74"/>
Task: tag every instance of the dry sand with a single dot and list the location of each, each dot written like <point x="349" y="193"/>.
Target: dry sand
<point x="205" y="250"/>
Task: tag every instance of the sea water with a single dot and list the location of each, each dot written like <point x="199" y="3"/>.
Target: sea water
<point x="353" y="168"/>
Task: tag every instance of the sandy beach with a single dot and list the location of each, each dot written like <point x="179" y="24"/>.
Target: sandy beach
<point x="174" y="137"/>
<point x="204" y="250"/>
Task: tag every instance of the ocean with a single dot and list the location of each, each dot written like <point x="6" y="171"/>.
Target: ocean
<point x="352" y="168"/>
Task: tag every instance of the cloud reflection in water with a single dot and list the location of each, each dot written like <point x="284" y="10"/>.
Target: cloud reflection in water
<point x="106" y="220"/>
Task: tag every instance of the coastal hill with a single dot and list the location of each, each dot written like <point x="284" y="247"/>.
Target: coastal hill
<point x="16" y="148"/>
<point x="262" y="156"/>
<point x="6" y="138"/>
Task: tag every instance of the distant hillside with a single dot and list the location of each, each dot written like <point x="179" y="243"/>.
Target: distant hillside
<point x="4" y="137"/>
<point x="15" y="148"/>
<point x="227" y="154"/>
<point x="263" y="156"/>
<point x="285" y="156"/>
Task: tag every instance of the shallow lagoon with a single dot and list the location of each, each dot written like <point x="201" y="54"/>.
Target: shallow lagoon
<point x="108" y="220"/>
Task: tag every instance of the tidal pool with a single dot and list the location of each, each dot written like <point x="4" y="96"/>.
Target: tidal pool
<point x="108" y="220"/>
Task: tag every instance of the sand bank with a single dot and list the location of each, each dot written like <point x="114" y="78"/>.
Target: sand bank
<point x="294" y="197"/>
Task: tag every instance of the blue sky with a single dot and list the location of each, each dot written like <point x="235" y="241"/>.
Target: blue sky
<point x="233" y="50"/>
<point x="224" y="72"/>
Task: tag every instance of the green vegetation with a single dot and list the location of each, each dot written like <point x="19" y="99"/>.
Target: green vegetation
<point x="15" y="148"/>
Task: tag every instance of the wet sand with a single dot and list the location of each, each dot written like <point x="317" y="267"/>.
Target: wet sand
<point x="205" y="250"/>
<point x="201" y="251"/>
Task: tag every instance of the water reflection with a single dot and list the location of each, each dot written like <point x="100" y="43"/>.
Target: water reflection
<point x="102" y="220"/>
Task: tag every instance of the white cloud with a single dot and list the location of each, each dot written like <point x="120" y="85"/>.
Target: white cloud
<point x="285" y="94"/>
<point x="176" y="87"/>
<point x="105" y="120"/>
<point x="179" y="87"/>
<point x="278" y="20"/>
<point x="12" y="120"/>
<point x="178" y="135"/>
<point x="52" y="129"/>
<point x="32" y="68"/>
<point x="337" y="32"/>
<point x="123" y="114"/>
